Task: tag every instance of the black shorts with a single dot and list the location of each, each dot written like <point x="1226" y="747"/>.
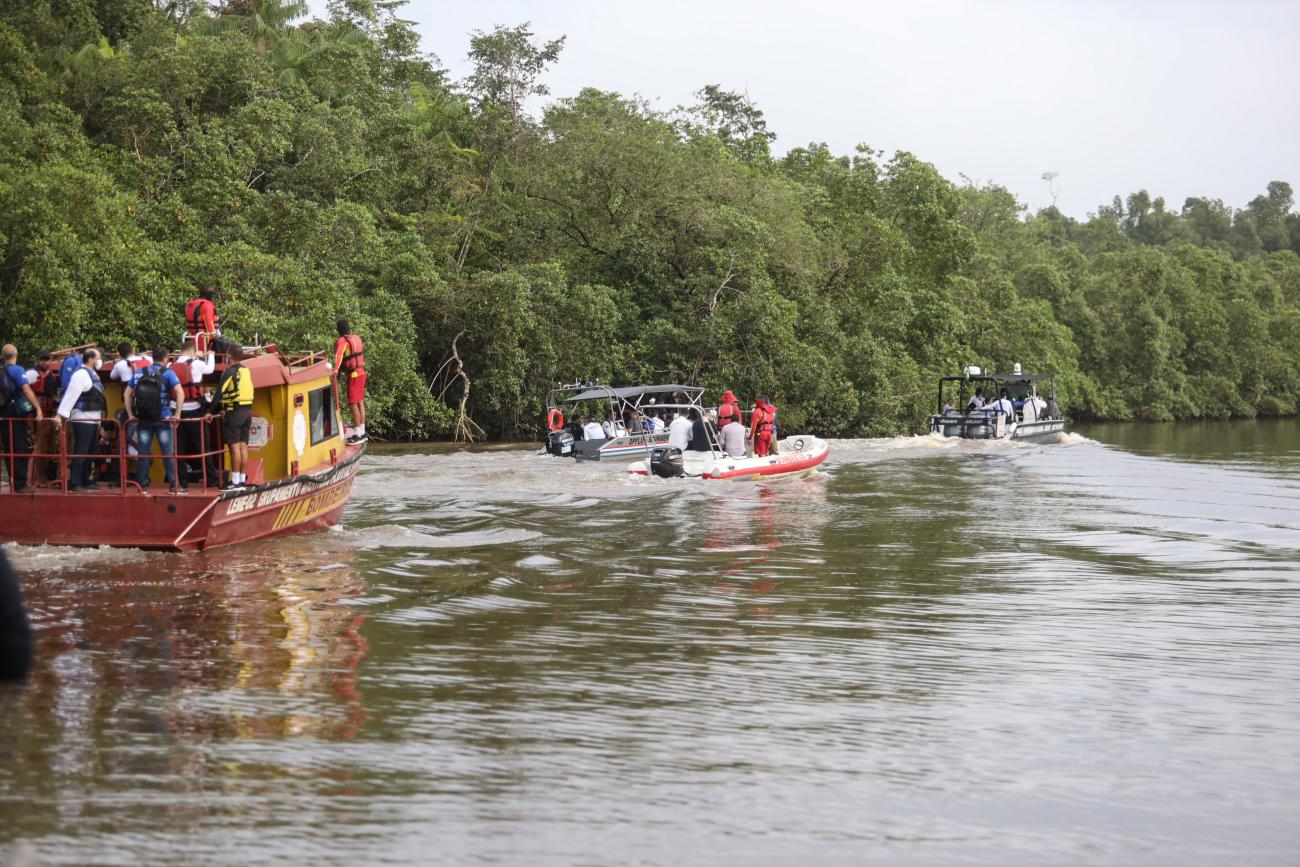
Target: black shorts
<point x="236" y="424"/>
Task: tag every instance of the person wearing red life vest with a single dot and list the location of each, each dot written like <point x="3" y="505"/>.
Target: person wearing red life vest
<point x="201" y="319"/>
<point x="761" y="426"/>
<point x="194" y="435"/>
<point x="728" y="410"/>
<point x="350" y="362"/>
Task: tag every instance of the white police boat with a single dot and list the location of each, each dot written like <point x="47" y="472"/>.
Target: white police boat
<point x="567" y="405"/>
<point x="1032" y="419"/>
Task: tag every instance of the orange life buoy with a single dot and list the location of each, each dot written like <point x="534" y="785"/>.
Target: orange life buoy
<point x="555" y="419"/>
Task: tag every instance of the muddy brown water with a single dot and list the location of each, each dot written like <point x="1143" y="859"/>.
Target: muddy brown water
<point x="928" y="652"/>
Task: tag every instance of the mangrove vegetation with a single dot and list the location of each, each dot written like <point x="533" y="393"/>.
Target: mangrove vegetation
<point x="488" y="239"/>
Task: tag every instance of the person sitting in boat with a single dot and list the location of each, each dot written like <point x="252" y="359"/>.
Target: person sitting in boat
<point x="976" y="402"/>
<point x="591" y="429"/>
<point x="700" y="439"/>
<point x="732" y="436"/>
<point x="728" y="409"/>
<point x="679" y="433"/>
<point x="631" y="420"/>
<point x="1052" y="410"/>
<point x="612" y="426"/>
<point x="948" y="408"/>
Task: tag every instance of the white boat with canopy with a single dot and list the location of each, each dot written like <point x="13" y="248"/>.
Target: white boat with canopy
<point x="1030" y="419"/>
<point x="625" y="436"/>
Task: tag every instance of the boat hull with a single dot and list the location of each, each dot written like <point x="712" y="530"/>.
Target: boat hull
<point x="183" y="522"/>
<point x="981" y="428"/>
<point x="794" y="455"/>
<point x="624" y="448"/>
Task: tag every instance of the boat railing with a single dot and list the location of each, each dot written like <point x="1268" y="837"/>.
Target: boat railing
<point x="116" y="454"/>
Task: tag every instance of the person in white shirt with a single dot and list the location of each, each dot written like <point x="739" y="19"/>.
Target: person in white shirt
<point x="128" y="363"/>
<point x="612" y="426"/>
<point x="193" y="435"/>
<point x="1003" y="406"/>
<point x="679" y="433"/>
<point x="976" y="402"/>
<point x="1028" y="410"/>
<point x="83" y="408"/>
<point x="733" y="438"/>
<point x="592" y="430"/>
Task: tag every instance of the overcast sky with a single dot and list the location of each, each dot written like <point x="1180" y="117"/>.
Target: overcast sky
<point x="1181" y="98"/>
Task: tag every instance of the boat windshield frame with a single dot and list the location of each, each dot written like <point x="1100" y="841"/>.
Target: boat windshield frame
<point x="997" y="379"/>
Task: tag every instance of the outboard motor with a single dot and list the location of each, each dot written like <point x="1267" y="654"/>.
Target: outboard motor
<point x="559" y="443"/>
<point x="666" y="463"/>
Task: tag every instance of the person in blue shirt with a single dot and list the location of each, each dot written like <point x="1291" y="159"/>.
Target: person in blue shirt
<point x="148" y="400"/>
<point x="14" y="414"/>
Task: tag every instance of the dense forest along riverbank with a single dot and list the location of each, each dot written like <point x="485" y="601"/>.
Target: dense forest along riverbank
<point x="929" y="652"/>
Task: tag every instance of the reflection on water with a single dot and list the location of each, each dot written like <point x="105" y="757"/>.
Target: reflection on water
<point x="929" y="652"/>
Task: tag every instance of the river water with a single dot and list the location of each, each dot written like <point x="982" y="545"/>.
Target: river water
<point x="926" y="653"/>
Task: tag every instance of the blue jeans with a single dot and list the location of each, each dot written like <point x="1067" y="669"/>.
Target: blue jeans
<point x="145" y="432"/>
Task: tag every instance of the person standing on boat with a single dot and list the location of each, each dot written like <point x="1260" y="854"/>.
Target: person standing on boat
<point x="763" y="422"/>
<point x="83" y="405"/>
<point x="201" y="319"/>
<point x="679" y="433"/>
<point x="236" y="394"/>
<point x="976" y="403"/>
<point x="350" y="362"/>
<point x="21" y="402"/>
<point x="148" y="401"/>
<point x="1004" y="406"/>
<point x="193" y="434"/>
<point x="128" y="364"/>
<point x="46" y="388"/>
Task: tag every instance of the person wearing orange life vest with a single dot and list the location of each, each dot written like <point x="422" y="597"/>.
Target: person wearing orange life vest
<point x="350" y="362"/>
<point x="201" y="319"/>
<point x="761" y="426"/>
<point x="728" y="410"/>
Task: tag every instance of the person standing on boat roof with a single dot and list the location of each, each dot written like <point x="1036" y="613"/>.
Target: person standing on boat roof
<point x="679" y="433"/>
<point x="350" y="362"/>
<point x="762" y="424"/>
<point x="20" y="402"/>
<point x="201" y="319"/>
<point x="148" y="407"/>
<point x="83" y="405"/>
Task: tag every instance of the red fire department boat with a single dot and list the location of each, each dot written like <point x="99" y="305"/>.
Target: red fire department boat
<point x="300" y="473"/>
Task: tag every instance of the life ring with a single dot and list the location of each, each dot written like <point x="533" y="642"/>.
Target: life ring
<point x="555" y="419"/>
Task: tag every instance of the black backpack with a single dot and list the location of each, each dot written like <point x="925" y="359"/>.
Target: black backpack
<point x="150" y="391"/>
<point x="7" y="391"/>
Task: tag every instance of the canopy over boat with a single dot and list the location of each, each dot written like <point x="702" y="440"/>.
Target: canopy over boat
<point x="629" y="394"/>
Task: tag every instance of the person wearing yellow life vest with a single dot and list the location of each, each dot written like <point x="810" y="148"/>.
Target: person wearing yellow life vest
<point x="350" y="362"/>
<point x="235" y="391"/>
